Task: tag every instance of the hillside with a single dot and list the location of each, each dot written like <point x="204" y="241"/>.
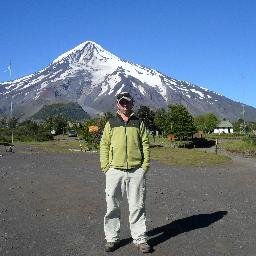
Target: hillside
<point x="71" y="111"/>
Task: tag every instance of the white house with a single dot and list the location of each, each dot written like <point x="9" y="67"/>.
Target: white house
<point x="224" y="127"/>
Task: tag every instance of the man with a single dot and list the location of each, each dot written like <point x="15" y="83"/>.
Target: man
<point x="124" y="157"/>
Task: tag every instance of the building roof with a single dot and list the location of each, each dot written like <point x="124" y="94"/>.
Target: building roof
<point x="224" y="124"/>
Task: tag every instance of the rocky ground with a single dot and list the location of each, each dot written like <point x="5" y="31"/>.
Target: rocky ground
<point x="53" y="204"/>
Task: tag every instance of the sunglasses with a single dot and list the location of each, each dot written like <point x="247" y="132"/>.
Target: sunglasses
<point x="124" y="102"/>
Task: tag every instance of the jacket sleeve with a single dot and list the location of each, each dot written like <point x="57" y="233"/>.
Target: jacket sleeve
<point x="145" y="147"/>
<point x="105" y="147"/>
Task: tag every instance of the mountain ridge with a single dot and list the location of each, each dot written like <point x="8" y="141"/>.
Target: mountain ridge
<point x="92" y="76"/>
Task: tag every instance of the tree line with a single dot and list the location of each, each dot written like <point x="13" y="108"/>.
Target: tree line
<point x="175" y="120"/>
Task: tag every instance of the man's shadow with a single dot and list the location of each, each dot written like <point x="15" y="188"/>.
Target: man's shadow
<point x="161" y="234"/>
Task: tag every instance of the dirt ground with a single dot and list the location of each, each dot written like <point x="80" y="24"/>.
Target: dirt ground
<point x="53" y="204"/>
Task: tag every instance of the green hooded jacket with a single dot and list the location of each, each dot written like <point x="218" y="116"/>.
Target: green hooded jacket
<point x="124" y="145"/>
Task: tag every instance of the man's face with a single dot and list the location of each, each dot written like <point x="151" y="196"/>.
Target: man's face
<point x="125" y="106"/>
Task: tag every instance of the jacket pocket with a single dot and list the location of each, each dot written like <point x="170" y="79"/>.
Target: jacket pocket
<point x="119" y="157"/>
<point x="135" y="155"/>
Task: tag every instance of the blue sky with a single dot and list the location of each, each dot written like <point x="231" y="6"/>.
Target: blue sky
<point x="206" y="42"/>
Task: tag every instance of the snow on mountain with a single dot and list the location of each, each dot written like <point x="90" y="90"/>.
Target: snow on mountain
<point x="92" y="76"/>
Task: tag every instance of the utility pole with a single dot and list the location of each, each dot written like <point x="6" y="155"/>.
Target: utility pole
<point x="12" y="118"/>
<point x="10" y="73"/>
<point x="243" y="112"/>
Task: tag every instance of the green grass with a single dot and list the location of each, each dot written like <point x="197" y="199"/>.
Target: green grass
<point x="166" y="155"/>
<point x="59" y="145"/>
<point x="160" y="141"/>
<point x="239" y="146"/>
<point x="187" y="157"/>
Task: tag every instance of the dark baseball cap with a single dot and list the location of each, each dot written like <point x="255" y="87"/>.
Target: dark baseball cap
<point x="124" y="96"/>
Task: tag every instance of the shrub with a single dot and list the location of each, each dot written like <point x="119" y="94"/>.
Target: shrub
<point x="250" y="139"/>
<point x="44" y="136"/>
<point x="4" y="139"/>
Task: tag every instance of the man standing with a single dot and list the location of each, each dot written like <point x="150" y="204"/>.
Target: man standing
<point x="124" y="157"/>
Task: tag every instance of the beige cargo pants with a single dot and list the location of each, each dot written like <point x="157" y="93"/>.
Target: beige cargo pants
<point x="134" y="183"/>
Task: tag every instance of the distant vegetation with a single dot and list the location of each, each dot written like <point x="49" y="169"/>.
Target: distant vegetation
<point x="70" y="111"/>
<point x="24" y="131"/>
<point x="245" y="145"/>
<point x="186" y="157"/>
<point x="173" y="123"/>
<point x="176" y="120"/>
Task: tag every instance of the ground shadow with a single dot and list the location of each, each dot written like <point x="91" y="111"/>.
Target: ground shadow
<point x="200" y="143"/>
<point x="164" y="233"/>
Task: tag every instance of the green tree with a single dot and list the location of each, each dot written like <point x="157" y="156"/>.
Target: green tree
<point x="206" y="122"/>
<point x="239" y="125"/>
<point x="161" y="120"/>
<point x="147" y="115"/>
<point x="58" y="123"/>
<point x="175" y="120"/>
<point x="28" y="127"/>
<point x="3" y="122"/>
<point x="180" y="122"/>
<point x="13" y="122"/>
<point x="253" y="126"/>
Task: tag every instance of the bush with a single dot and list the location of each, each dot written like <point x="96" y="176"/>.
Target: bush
<point x="4" y="139"/>
<point x="44" y="136"/>
<point x="26" y="131"/>
<point x="250" y="139"/>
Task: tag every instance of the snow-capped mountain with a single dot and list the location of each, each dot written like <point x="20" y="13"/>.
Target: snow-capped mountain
<point x="92" y="76"/>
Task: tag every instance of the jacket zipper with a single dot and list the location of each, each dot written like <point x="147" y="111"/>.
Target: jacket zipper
<point x="126" y="153"/>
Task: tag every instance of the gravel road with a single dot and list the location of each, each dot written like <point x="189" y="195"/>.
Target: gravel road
<point x="53" y="204"/>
